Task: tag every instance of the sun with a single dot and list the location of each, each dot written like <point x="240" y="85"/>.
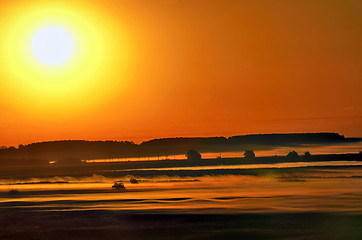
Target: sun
<point x="52" y="45"/>
<point x="61" y="58"/>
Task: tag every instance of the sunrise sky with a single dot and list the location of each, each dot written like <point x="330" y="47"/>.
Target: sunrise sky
<point x="148" y="69"/>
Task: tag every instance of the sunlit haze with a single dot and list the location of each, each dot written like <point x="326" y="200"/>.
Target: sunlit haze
<point x="137" y="70"/>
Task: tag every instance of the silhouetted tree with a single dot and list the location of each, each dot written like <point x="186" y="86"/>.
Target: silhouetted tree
<point x="133" y="180"/>
<point x="293" y="155"/>
<point x="249" y="154"/>
<point x="193" y="155"/>
<point x="119" y="186"/>
<point x="307" y="154"/>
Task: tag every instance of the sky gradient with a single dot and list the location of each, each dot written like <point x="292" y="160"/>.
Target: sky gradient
<point x="150" y="69"/>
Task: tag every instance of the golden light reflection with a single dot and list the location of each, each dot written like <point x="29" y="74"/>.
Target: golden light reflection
<point x="332" y="192"/>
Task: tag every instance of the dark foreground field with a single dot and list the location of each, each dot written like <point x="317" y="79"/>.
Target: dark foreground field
<point x="24" y="224"/>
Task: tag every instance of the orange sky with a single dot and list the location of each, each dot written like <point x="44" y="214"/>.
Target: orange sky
<point x="192" y="68"/>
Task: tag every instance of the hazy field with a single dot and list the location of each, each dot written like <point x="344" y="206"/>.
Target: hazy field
<point x="262" y="198"/>
<point x="291" y="203"/>
<point x="333" y="189"/>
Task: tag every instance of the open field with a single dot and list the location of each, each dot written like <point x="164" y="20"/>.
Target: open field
<point x="211" y="199"/>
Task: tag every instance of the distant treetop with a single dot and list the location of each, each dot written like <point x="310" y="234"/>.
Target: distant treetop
<point x="293" y="155"/>
<point x="193" y="155"/>
<point x="87" y="150"/>
<point x="249" y="154"/>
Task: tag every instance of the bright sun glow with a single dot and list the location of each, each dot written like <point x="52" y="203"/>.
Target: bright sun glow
<point x="57" y="58"/>
<point x="52" y="45"/>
